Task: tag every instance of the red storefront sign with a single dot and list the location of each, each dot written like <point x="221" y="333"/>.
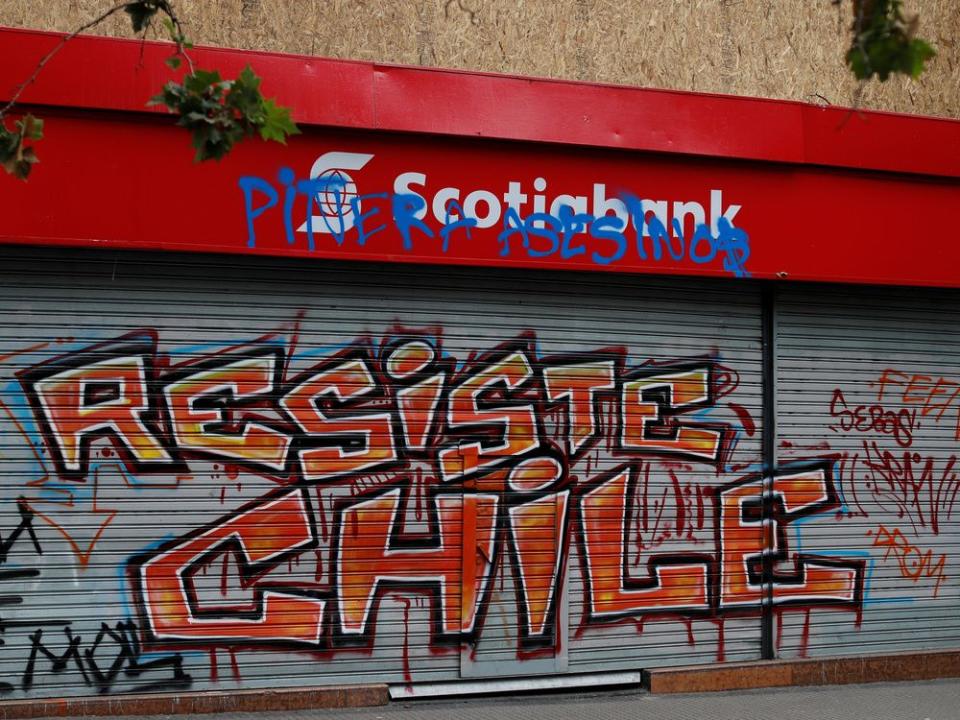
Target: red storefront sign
<point x="708" y="186"/>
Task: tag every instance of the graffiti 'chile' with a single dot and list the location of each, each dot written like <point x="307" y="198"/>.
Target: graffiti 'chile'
<point x="503" y="489"/>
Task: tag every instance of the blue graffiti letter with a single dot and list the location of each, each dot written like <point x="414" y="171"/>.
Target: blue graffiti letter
<point x="512" y="225"/>
<point x="405" y="209"/>
<point x="609" y="227"/>
<point x="462" y="222"/>
<point x="249" y="184"/>
<point x="362" y="234"/>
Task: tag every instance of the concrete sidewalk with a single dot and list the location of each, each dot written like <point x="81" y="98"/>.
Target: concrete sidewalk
<point x="933" y="700"/>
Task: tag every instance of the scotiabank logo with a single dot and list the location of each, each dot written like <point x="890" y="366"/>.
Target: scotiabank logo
<point x="600" y="225"/>
<point x="336" y="199"/>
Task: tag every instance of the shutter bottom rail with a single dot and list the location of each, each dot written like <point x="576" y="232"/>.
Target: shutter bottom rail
<point x="184" y="703"/>
<point x="888" y="667"/>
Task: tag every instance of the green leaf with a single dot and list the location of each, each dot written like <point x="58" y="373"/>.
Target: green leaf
<point x="16" y="158"/>
<point x="197" y="117"/>
<point x="920" y="52"/>
<point x="220" y="113"/>
<point x="170" y="96"/>
<point x="883" y="41"/>
<point x="858" y="63"/>
<point x="248" y="79"/>
<point x="171" y="28"/>
<point x="8" y="144"/>
<point x="140" y="14"/>
<point x="277" y="123"/>
<point x="172" y="62"/>
<point x="31" y="127"/>
<point x="245" y="97"/>
<point x="200" y="80"/>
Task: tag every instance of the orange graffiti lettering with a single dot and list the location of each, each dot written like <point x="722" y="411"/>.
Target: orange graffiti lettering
<point x="744" y="535"/>
<point x="648" y="401"/>
<point x="372" y="555"/>
<point x="261" y="536"/>
<point x="674" y="584"/>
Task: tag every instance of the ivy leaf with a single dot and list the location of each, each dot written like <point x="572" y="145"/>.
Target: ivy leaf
<point x="16" y="157"/>
<point x="172" y="62"/>
<point x="31" y="127"/>
<point x="277" y="123"/>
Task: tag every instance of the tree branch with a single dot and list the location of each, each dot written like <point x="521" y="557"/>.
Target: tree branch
<point x="57" y="48"/>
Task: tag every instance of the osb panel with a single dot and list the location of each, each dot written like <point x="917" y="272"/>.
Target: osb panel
<point x="772" y="48"/>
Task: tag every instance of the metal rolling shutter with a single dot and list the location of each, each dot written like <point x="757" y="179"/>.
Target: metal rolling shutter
<point x="674" y="505"/>
<point x="96" y="528"/>
<point x="868" y="378"/>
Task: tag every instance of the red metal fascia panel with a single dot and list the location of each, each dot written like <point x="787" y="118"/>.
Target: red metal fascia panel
<point x="122" y="75"/>
<point x="842" y="137"/>
<point x="817" y="208"/>
<point x="114" y="74"/>
<point x="109" y="183"/>
<point x="585" y="114"/>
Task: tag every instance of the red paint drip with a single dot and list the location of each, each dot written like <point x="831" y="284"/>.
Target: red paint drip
<point x="234" y="666"/>
<point x="611" y="423"/>
<point x="659" y="506"/>
<point x="779" y="628"/>
<point x="323" y="516"/>
<point x="224" y="570"/>
<point x="721" y="640"/>
<point x="223" y="494"/>
<point x="681" y="504"/>
<point x="407" y="675"/>
<point x="749" y="427"/>
<point x="700" y="510"/>
<point x="691" y="641"/>
<point x="646" y="489"/>
<point x="638" y="535"/>
<point x="805" y="637"/>
<point x="214" y="675"/>
<point x="294" y="339"/>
